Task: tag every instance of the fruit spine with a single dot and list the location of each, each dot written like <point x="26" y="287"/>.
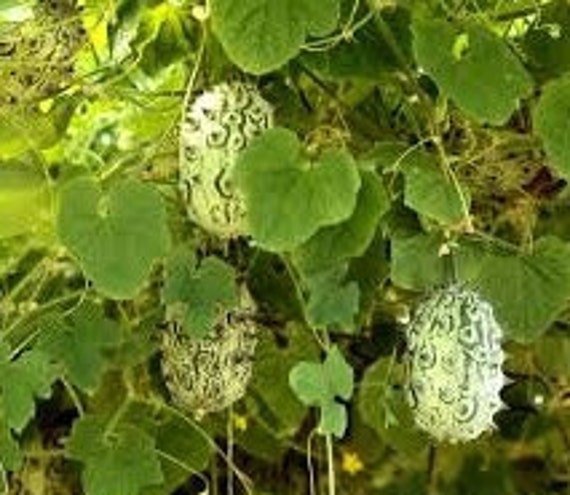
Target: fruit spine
<point x="216" y="127"/>
<point x="455" y="359"/>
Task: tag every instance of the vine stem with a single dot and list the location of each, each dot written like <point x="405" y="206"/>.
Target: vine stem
<point x="330" y="463"/>
<point x="243" y="479"/>
<point x="230" y="449"/>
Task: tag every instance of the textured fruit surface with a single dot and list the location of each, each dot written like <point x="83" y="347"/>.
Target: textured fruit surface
<point x="455" y="362"/>
<point x="217" y="126"/>
<point x="37" y="55"/>
<point x="210" y="374"/>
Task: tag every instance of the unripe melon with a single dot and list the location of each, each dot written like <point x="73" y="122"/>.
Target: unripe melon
<point x="455" y="359"/>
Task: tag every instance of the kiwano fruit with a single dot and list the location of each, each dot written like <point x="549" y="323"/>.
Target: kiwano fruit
<point x="455" y="359"/>
<point x="37" y="54"/>
<point x="216" y="127"/>
<point x="210" y="374"/>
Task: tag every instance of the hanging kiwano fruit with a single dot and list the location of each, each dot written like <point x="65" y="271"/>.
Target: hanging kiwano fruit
<point x="216" y="127"/>
<point x="455" y="363"/>
<point x="210" y="374"/>
<point x="37" y="55"/>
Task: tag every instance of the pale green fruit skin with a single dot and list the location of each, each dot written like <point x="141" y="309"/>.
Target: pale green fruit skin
<point x="208" y="375"/>
<point x="37" y="55"/>
<point x="217" y="126"/>
<point x="455" y="360"/>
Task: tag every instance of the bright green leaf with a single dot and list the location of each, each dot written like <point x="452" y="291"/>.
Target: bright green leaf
<point x="486" y="81"/>
<point x="121" y="462"/>
<point x="552" y="123"/>
<point x="24" y="198"/>
<point x="262" y="35"/>
<point x="199" y="293"/>
<point x="163" y="37"/>
<point x="349" y="239"/>
<point x="22" y="380"/>
<point x="319" y="384"/>
<point x="23" y="129"/>
<point x="288" y="198"/>
<point x="116" y="235"/>
<point x="10" y="455"/>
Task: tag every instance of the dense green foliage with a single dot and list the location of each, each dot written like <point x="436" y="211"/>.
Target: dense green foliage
<point x="401" y="146"/>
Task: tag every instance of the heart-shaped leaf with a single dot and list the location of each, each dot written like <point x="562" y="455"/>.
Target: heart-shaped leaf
<point x="288" y="198"/>
<point x="116" y="235"/>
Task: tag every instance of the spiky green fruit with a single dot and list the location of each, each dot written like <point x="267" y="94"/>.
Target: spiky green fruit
<point x="217" y="126"/>
<point x="210" y="374"/>
<point x="455" y="359"/>
<point x="37" y="55"/>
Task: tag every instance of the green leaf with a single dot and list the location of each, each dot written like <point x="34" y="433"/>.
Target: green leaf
<point x="333" y="302"/>
<point x="430" y="192"/>
<point x="178" y="440"/>
<point x="552" y="123"/>
<point x="24" y="198"/>
<point x="163" y="37"/>
<point x="117" y="235"/>
<point x="81" y="343"/>
<point x="200" y="293"/>
<point x="121" y="462"/>
<point x="552" y="353"/>
<point x="24" y="129"/>
<point x="538" y="287"/>
<point x="288" y="198"/>
<point x="272" y="366"/>
<point x="349" y="239"/>
<point x="486" y="80"/>
<point x="546" y="44"/>
<point x="383" y="407"/>
<point x="22" y="380"/>
<point x="365" y="55"/>
<point x="416" y="263"/>
<point x="319" y="384"/>
<point x="10" y="455"/>
<point x="262" y="35"/>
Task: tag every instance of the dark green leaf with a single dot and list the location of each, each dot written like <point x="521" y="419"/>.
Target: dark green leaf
<point x="383" y="407"/>
<point x="333" y="302"/>
<point x="538" y="287"/>
<point x="261" y="35"/>
<point x="122" y="462"/>
<point x="432" y="193"/>
<point x="552" y="123"/>
<point x="201" y="292"/>
<point x="349" y="239"/>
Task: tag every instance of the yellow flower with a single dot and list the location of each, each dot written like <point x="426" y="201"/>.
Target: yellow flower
<point x="351" y="463"/>
<point x="240" y="421"/>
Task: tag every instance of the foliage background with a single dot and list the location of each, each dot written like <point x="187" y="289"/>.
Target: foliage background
<point x="448" y="119"/>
